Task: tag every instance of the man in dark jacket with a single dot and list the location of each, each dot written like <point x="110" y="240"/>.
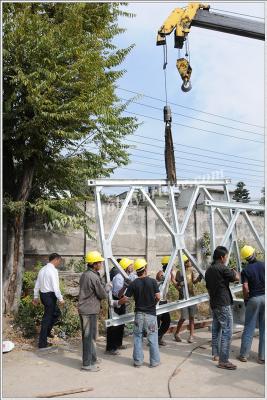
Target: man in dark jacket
<point x="146" y="294"/>
<point x="218" y="276"/>
<point x="92" y="291"/>
<point x="253" y="280"/>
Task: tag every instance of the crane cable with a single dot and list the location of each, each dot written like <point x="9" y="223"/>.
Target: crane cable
<point x="165" y="62"/>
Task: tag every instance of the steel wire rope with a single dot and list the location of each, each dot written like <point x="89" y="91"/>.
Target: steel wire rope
<point x="236" y="13"/>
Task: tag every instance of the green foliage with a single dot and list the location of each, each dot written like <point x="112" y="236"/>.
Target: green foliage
<point x="61" y="116"/>
<point x="28" y="316"/>
<point x="205" y="244"/>
<point x="241" y="194"/>
<point x="29" y="278"/>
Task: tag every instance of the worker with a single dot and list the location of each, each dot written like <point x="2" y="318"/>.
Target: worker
<point x="253" y="281"/>
<point x="119" y="285"/>
<point x="47" y="284"/>
<point x="164" y="320"/>
<point x="146" y="295"/>
<point x="92" y="291"/>
<point x="217" y="277"/>
<point x="114" y="270"/>
<point x="192" y="277"/>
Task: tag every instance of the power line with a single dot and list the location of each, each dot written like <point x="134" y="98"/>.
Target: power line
<point x="190" y="171"/>
<point x="190" y="153"/>
<point x="202" y="149"/>
<point x="206" y="162"/>
<point x="187" y="170"/>
<point x="198" y="129"/>
<point x="190" y="108"/>
<point x="197" y="119"/>
<point x="180" y="176"/>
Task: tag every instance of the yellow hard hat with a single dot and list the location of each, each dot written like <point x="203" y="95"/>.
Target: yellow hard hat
<point x="93" y="257"/>
<point x="165" y="259"/>
<point x="125" y="262"/>
<point x="139" y="263"/>
<point x="246" y="251"/>
<point x="185" y="258"/>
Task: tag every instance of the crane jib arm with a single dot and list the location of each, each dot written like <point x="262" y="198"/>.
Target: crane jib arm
<point x="228" y="24"/>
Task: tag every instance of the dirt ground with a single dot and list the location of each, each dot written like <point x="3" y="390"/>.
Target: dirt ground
<point x="186" y="371"/>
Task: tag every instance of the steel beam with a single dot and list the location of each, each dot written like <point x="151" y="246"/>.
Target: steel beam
<point x="253" y="230"/>
<point x="233" y="206"/>
<point x="168" y="307"/>
<point x="155" y="182"/>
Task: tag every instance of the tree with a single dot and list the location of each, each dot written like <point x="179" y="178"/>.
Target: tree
<point x="62" y="120"/>
<point x="241" y="194"/>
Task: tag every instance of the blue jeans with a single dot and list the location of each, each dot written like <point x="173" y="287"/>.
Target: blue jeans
<point x="255" y="311"/>
<point x="145" y="323"/>
<point x="222" y="329"/>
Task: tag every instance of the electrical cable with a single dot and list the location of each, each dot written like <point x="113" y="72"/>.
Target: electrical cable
<point x="198" y="129"/>
<point x="190" y="108"/>
<point x="186" y="152"/>
<point x="221" y="165"/>
<point x="197" y="119"/>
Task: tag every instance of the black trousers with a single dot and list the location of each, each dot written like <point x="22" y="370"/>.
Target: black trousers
<point x="115" y="333"/>
<point x="50" y="317"/>
<point x="164" y="321"/>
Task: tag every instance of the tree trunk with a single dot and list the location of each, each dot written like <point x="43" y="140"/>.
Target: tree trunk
<point x="14" y="265"/>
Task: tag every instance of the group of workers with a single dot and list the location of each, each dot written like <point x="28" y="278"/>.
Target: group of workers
<point x="146" y="293"/>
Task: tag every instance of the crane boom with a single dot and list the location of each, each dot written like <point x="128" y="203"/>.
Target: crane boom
<point x="228" y="24"/>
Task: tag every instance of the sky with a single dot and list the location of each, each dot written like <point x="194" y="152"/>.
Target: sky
<point x="227" y="80"/>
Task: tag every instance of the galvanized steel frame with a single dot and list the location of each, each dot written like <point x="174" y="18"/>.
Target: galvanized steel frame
<point x="176" y="232"/>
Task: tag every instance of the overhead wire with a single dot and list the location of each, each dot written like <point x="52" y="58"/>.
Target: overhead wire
<point x="190" y="108"/>
<point x="188" y="171"/>
<point x="197" y="119"/>
<point x="200" y="130"/>
<point x="186" y="152"/>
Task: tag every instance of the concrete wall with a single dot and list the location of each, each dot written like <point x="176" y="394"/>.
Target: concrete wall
<point x="140" y="233"/>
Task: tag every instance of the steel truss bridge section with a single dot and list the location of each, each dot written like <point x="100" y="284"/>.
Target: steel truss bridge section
<point x="175" y="230"/>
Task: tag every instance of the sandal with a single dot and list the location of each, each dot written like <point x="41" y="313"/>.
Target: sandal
<point x="227" y="365"/>
<point x="177" y="338"/>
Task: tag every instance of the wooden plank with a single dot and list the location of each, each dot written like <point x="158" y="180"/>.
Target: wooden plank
<point x="233" y="25"/>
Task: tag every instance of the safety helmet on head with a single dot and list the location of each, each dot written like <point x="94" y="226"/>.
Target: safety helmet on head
<point x="165" y="260"/>
<point x="125" y="262"/>
<point x="185" y="258"/>
<point x="247" y="251"/>
<point x="139" y="263"/>
<point x="93" y="257"/>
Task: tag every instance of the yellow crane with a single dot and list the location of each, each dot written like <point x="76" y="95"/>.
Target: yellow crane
<point x="180" y="21"/>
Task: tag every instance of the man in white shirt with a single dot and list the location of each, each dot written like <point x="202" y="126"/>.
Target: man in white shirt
<point x="47" y="284"/>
